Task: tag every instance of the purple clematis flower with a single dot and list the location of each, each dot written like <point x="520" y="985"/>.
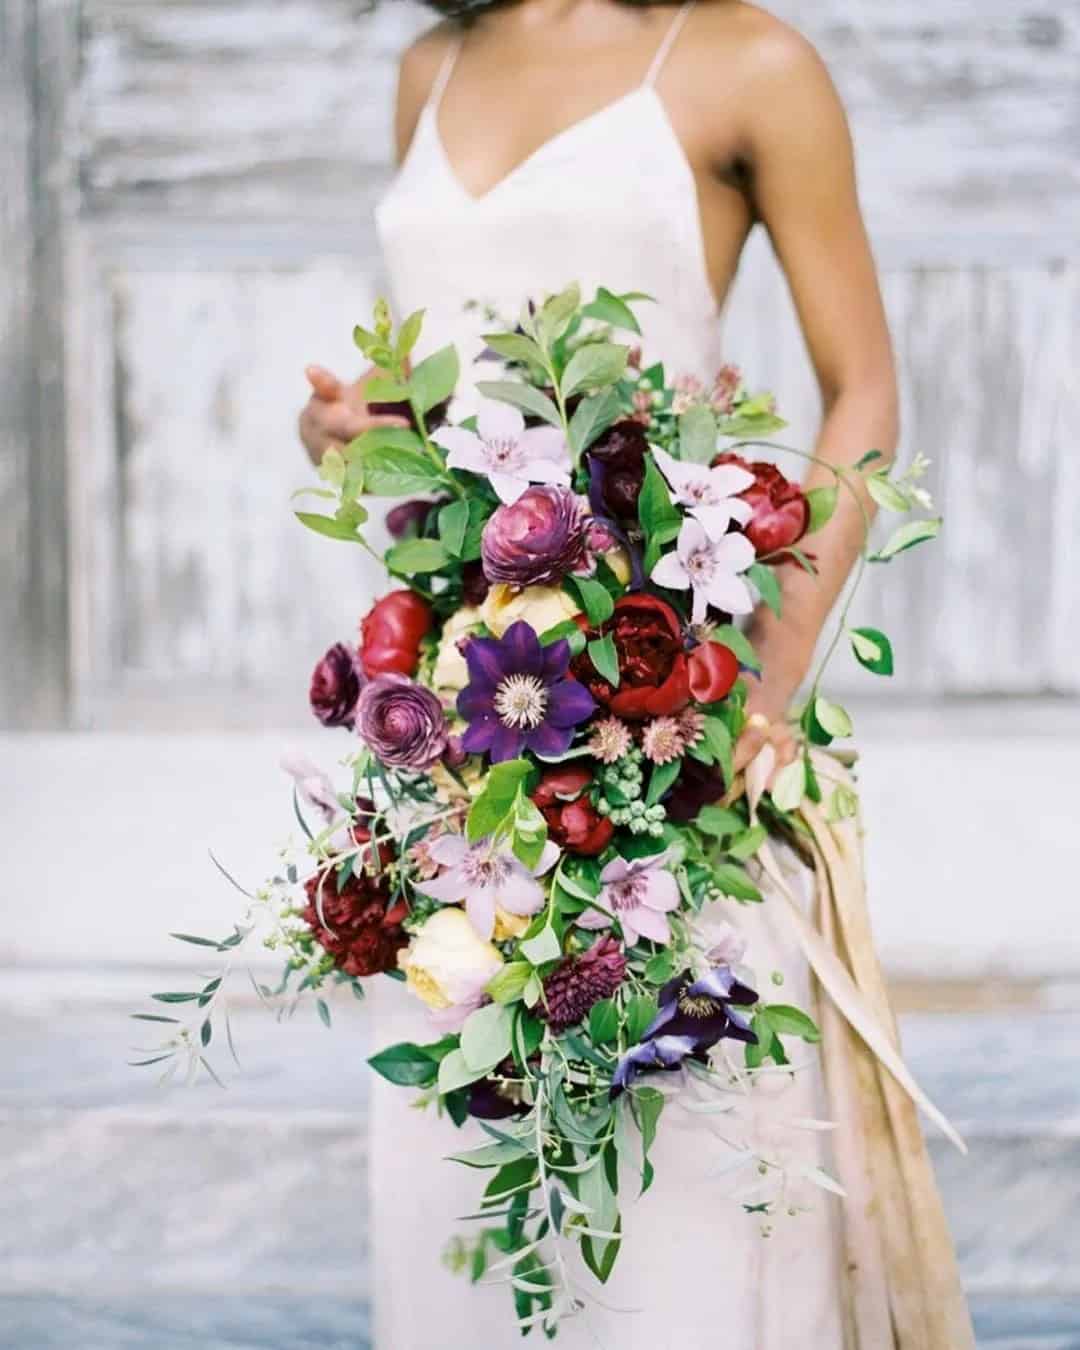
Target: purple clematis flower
<point x="486" y="877"/>
<point x="519" y="696"/>
<point x="639" y="894"/>
<point x="693" y="1016"/>
<point x="507" y="453"/>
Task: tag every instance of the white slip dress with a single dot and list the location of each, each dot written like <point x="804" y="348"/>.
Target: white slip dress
<point x="610" y="201"/>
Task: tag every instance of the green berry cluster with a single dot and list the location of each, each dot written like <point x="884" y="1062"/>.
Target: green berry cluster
<point x="622" y="786"/>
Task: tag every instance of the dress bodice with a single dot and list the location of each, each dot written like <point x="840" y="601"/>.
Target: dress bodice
<point x="611" y="201"/>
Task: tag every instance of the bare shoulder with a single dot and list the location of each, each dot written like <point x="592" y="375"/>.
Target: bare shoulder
<point x="761" y="47"/>
<point x="417" y="72"/>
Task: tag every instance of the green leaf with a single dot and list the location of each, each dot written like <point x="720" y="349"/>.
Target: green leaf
<point x="491" y="1155"/>
<point x="523" y="396"/>
<point x="822" y="502"/>
<point x="719" y="821"/>
<point x="764" y="579"/>
<point x="594" y="598"/>
<point x="745" y="844"/>
<point x="395" y="470"/>
<point x="329" y="526"/>
<point x="455" y="1071"/>
<point x="718" y="741"/>
<point x="907" y="536"/>
<point x="659" y="968"/>
<point x="417" y="555"/>
<point x="788" y="1021"/>
<point x="322" y="1007"/>
<point x="485" y="1037"/>
<point x="567" y="630"/>
<point x="648" y="1104"/>
<point x="407" y="336"/>
<point x="730" y="636"/>
<point x="661" y="778"/>
<point x="490" y="810"/>
<point x="732" y="879"/>
<point x="832" y="717"/>
<point x="869" y="458"/>
<point x="605" y="658"/>
<point x="509" y="983"/>
<point x="640" y="1011"/>
<point x="385" y="389"/>
<point x="660" y="519"/>
<point x="405" y="1064"/>
<point x="528" y="833"/>
<point x="594" y="366"/>
<point x="517" y="347"/>
<point x="843" y="804"/>
<point x="697" y="435"/>
<point x="790" y="786"/>
<point x="592" y="417"/>
<point x="610" y="308"/>
<point x="435" y="378"/>
<point x="556" y="312"/>
<point x="603" y="1021"/>
<point x="872" y="649"/>
<point x="453" y="522"/>
<point x="885" y="492"/>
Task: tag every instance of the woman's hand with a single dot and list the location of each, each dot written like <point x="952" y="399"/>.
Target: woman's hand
<point x="337" y="413"/>
<point x="766" y="707"/>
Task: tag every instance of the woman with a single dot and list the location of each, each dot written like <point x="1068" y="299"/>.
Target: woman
<point x="635" y="146"/>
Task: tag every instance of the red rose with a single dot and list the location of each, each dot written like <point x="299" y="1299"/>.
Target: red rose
<point x="714" y="669"/>
<point x="781" y="511"/>
<point x="572" y="820"/>
<point x="391" y="633"/>
<point x="654" y="678"/>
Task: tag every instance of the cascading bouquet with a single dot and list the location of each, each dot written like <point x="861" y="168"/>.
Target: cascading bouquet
<point x="542" y="795"/>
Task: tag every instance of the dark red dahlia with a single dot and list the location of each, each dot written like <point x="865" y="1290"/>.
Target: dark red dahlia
<point x="363" y="930"/>
<point x="578" y="982"/>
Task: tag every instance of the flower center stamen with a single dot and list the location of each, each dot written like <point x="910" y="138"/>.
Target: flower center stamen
<point x="521" y="701"/>
<point x="628" y="893"/>
<point x="502" y="452"/>
<point x="701" y="565"/>
<point x="696" y="1005"/>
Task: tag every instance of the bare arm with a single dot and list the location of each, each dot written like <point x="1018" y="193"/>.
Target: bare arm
<point x="803" y="185"/>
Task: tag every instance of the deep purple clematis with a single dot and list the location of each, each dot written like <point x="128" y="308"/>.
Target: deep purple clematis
<point x="693" y="1016"/>
<point x="519" y="696"/>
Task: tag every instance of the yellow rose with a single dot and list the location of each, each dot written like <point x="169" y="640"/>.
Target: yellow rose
<point x="542" y="607"/>
<point x="447" y="963"/>
<point x="451" y="672"/>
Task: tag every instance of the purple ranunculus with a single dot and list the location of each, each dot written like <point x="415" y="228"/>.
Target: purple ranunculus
<point x="538" y="539"/>
<point x="401" y="722"/>
<point x="519" y="696"/>
<point x="335" y="686"/>
<point x="693" y="1016"/>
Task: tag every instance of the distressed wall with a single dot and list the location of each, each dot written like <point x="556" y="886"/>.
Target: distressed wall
<point x="215" y="176"/>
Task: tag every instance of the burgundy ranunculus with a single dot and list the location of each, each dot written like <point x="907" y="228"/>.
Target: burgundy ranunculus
<point x="335" y="686"/>
<point x="617" y="468"/>
<point x="409" y="518"/>
<point x="578" y="982"/>
<point x="402" y="723"/>
<point x="714" y="669"/>
<point x="781" y="511"/>
<point x="474" y="585"/>
<point x="654" y="678"/>
<point x="573" y="822"/>
<point x="536" y="540"/>
<point x="362" y="930"/>
<point x="391" y="632"/>
<point x="697" y="785"/>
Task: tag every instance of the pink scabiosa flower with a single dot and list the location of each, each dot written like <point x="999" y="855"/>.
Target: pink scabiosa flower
<point x="640" y="894"/>
<point x="537" y="540"/>
<point x="335" y="686"/>
<point x="725" y="388"/>
<point x="691" y="726"/>
<point x="709" y="494"/>
<point x="610" y="740"/>
<point x="662" y="740"/>
<point x="486" y="877"/>
<point x="519" y="697"/>
<point x="710" y="568"/>
<point x="402" y="723"/>
<point x="578" y="982"/>
<point x="504" y="452"/>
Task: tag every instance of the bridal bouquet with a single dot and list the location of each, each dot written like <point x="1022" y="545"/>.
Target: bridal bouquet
<point x="539" y="720"/>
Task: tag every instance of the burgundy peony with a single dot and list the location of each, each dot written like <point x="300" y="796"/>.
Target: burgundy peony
<point x="697" y="785"/>
<point x="391" y="633"/>
<point x="335" y="686"/>
<point x="362" y="930"/>
<point x="402" y="723"/>
<point x="781" y="511"/>
<point x="578" y="982"/>
<point x="537" y="540"/>
<point x="573" y="822"/>
<point x="714" y="669"/>
<point x="617" y="470"/>
<point x="654" y="678"/>
<point x="474" y="585"/>
<point x="409" y="518"/>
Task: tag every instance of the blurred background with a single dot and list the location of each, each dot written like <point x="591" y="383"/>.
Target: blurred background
<point x="187" y="189"/>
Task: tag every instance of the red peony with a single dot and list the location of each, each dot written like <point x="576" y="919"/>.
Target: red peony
<point x="391" y="633"/>
<point x="781" y="511"/>
<point x="573" y="821"/>
<point x="362" y="931"/>
<point x="654" y="678"/>
<point x="714" y="669"/>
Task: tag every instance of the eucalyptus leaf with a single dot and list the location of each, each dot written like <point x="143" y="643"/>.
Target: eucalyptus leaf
<point x="455" y="1071"/>
<point x="485" y="1036"/>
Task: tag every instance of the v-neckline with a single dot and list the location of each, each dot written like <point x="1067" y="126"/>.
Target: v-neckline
<point x="431" y="111"/>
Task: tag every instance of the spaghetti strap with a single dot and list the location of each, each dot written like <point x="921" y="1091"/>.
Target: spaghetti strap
<point x="445" y="71"/>
<point x="667" y="42"/>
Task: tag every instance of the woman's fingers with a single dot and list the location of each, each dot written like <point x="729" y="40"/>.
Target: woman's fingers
<point x="747" y="746"/>
<point x="324" y="383"/>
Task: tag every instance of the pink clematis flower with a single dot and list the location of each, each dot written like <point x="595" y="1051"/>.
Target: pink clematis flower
<point x="486" y="877"/>
<point x="639" y="894"/>
<point x="510" y="456"/>
<point x="709" y="494"/>
<point x="710" y="568"/>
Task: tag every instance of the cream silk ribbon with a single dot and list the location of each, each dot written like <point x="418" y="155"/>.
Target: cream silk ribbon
<point x="830" y="971"/>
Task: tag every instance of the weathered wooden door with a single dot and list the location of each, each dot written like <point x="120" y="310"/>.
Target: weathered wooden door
<point x="187" y="195"/>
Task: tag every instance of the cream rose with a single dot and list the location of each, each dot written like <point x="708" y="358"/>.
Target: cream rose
<point x="450" y="672"/>
<point x="542" y="607"/>
<point x="447" y="965"/>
